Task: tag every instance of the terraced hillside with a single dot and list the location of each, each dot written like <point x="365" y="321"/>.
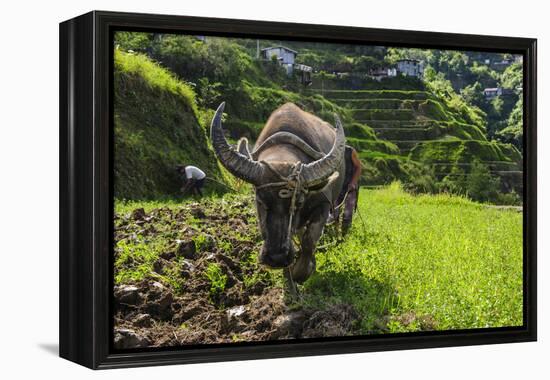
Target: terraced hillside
<point x="426" y="130"/>
<point x="156" y="126"/>
<point x="407" y="135"/>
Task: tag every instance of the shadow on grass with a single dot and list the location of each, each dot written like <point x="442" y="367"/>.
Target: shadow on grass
<point x="371" y="298"/>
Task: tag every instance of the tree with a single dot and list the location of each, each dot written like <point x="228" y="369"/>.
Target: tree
<point x="484" y="75"/>
<point x="364" y="64"/>
<point x="455" y="182"/>
<point x="473" y="94"/>
<point x="482" y="186"/>
<point x="512" y="77"/>
<point x="513" y="133"/>
<point x="495" y="116"/>
<point x="441" y="87"/>
<point x="209" y="93"/>
<point x="136" y="41"/>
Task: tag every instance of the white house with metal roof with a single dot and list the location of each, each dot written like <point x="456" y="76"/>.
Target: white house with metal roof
<point x="411" y="68"/>
<point x="285" y="56"/>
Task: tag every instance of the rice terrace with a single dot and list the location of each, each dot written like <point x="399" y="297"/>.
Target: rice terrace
<point x="435" y="242"/>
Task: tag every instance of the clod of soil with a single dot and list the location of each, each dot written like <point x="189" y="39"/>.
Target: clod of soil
<point x="143" y="320"/>
<point x="127" y="294"/>
<point x="127" y="338"/>
<point x="187" y="249"/>
<point x="138" y="214"/>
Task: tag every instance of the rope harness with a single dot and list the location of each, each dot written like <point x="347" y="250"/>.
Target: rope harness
<point x="292" y="187"/>
<point x="341" y="203"/>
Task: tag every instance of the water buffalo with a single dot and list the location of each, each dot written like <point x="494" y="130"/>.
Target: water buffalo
<point x="294" y="168"/>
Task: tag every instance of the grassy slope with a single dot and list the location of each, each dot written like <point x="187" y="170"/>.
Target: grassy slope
<point x="156" y="127"/>
<point x="427" y="261"/>
<point x="409" y="263"/>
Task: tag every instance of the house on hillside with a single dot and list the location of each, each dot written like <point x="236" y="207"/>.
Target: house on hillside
<point x="305" y="73"/>
<point x="508" y="92"/>
<point x="407" y="67"/>
<point x="492" y="92"/>
<point x="411" y="68"/>
<point x="286" y="58"/>
<point x="380" y="73"/>
<point x="503" y="63"/>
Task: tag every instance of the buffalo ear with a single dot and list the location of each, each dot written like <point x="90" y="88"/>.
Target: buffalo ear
<point x="242" y="147"/>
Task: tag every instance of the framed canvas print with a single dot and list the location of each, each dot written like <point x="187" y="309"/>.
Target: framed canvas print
<point x="238" y="189"/>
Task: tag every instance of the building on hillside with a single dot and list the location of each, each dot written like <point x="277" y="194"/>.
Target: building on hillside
<point x="411" y="68"/>
<point x="407" y="67"/>
<point x="201" y="38"/>
<point x="305" y="73"/>
<point x="342" y="75"/>
<point x="503" y="63"/>
<point x="492" y="92"/>
<point x="508" y="92"/>
<point x="284" y="56"/>
<point x="380" y="73"/>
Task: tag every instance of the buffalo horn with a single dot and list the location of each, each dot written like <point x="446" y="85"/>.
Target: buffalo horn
<point x="238" y="164"/>
<point x="318" y="171"/>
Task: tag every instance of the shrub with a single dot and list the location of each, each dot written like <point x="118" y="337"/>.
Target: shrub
<point x="512" y="198"/>
<point x="455" y="182"/>
<point x="481" y="185"/>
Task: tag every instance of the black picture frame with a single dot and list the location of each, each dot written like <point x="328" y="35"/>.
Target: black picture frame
<point x="86" y="188"/>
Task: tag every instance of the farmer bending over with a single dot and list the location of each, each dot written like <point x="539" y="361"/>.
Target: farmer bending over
<point x="194" y="179"/>
<point x="350" y="189"/>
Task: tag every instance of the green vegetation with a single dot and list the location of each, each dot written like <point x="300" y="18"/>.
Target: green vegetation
<point x="482" y="186"/>
<point x="217" y="279"/>
<point x="464" y="75"/>
<point x="139" y="66"/>
<point x="404" y="128"/>
<point x="156" y="127"/>
<point x="147" y="232"/>
<point x="425" y="262"/>
<point x="432" y="133"/>
<point x="409" y="263"/>
<point x="452" y="151"/>
<point x="135" y="261"/>
<point x="513" y="133"/>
